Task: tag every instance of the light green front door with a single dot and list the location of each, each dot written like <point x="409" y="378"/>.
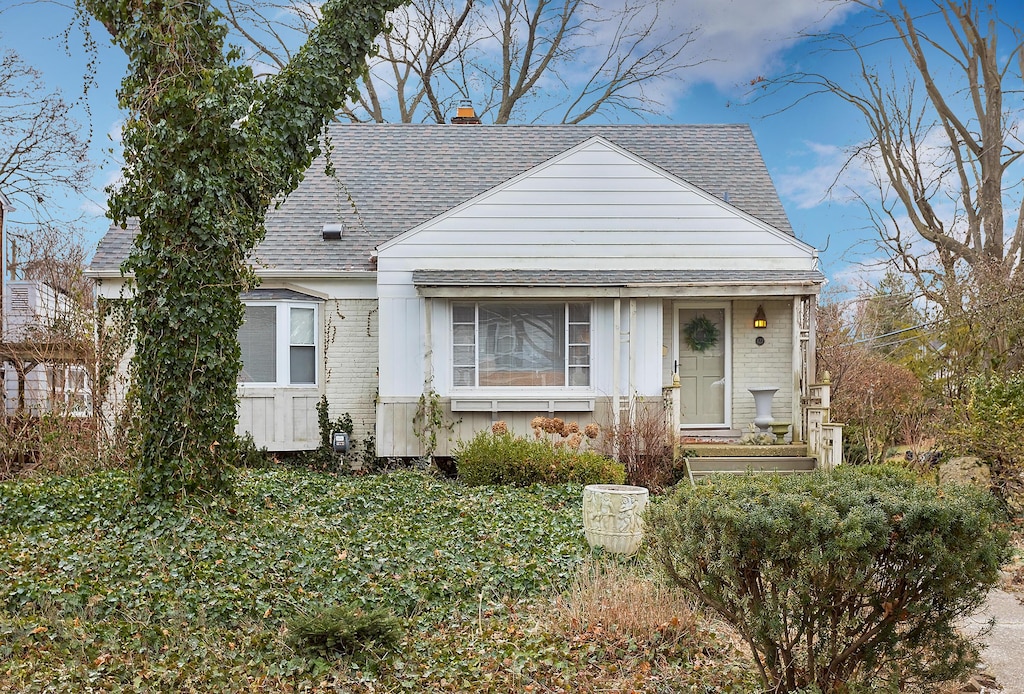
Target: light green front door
<point x="702" y="366"/>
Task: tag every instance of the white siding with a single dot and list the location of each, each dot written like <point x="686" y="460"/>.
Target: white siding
<point x="401" y="347"/>
<point x="592" y="209"/>
<point x="400" y="390"/>
<point x="280" y="419"/>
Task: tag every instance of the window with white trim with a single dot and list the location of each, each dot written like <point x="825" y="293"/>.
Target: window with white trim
<point x="279" y="344"/>
<point x="70" y="391"/>
<point x="520" y="344"/>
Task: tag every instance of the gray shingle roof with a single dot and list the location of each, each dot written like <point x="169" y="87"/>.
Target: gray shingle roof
<point x="601" y="278"/>
<point x="391" y="178"/>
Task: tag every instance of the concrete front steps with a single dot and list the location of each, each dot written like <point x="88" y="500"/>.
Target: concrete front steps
<point x="707" y="459"/>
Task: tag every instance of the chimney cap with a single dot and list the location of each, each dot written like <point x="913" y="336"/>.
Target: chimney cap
<point x="465" y="114"/>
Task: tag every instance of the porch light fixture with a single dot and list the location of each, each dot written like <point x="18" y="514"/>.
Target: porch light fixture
<point x="760" y="321"/>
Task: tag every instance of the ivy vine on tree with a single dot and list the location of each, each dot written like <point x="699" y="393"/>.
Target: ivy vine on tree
<point x="207" y="150"/>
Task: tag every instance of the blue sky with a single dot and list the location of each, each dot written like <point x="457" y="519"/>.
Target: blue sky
<point x="742" y="39"/>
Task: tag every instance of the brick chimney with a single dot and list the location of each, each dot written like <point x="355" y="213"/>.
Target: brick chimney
<point x="465" y="114"/>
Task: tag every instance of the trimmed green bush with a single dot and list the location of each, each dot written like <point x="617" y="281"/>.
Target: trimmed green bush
<point x="514" y="460"/>
<point x="347" y="629"/>
<point x="851" y="581"/>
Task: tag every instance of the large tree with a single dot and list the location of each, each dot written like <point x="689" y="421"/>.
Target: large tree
<point x="42" y="148"/>
<point x="43" y="156"/>
<point x="207" y="149"/>
<point x="939" y="93"/>
<point x="517" y="60"/>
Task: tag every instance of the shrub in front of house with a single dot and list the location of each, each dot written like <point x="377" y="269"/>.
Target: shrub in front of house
<point x="852" y="581"/>
<point x="988" y="424"/>
<point x="504" y="458"/>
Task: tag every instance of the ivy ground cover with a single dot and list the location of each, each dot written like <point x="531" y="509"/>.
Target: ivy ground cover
<point x="100" y="594"/>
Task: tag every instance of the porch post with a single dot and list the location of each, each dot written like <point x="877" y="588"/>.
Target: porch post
<point x="428" y="346"/>
<point x="797" y="369"/>
<point x="616" y="368"/>
<point x="812" y="337"/>
<point x="631" y="416"/>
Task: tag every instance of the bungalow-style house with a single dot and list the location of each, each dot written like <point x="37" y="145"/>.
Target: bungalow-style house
<point x="514" y="271"/>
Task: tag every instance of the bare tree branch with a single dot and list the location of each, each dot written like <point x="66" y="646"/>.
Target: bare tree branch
<point x="518" y="60"/>
<point x="42" y="146"/>
<point x="941" y="139"/>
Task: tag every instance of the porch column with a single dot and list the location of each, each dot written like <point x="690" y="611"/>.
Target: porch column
<point x="796" y="413"/>
<point x="631" y="416"/>
<point x="616" y="367"/>
<point x="812" y="338"/>
<point x="428" y="346"/>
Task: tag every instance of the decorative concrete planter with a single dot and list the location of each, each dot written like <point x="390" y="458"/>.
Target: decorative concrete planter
<point x="612" y="516"/>
<point x="763" y="406"/>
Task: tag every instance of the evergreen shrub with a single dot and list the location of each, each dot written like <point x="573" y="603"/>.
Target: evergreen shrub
<point x="505" y="458"/>
<point x="347" y="630"/>
<point x="988" y="424"/>
<point x="843" y="582"/>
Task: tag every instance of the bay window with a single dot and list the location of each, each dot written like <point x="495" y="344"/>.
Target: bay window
<point x="521" y="344"/>
<point x="279" y="344"/>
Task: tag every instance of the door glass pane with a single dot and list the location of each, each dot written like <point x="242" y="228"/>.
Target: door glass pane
<point x="258" y="339"/>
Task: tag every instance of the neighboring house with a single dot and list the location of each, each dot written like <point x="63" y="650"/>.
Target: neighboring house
<point x="518" y="271"/>
<point x="44" y="350"/>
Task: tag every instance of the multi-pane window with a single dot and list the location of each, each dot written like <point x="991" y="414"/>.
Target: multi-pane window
<point x="521" y="344"/>
<point x="69" y="389"/>
<point x="278" y="344"/>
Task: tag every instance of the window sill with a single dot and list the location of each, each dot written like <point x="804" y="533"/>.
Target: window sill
<point x="522" y="403"/>
<point x="262" y="389"/>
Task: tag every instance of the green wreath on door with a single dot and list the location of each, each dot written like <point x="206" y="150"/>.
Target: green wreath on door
<point x="700" y="334"/>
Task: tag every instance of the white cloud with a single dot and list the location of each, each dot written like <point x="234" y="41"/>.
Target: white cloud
<point x="744" y="39"/>
<point x="828" y="178"/>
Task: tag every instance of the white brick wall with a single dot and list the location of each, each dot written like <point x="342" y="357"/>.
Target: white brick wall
<point x="350" y="328"/>
<point x="771" y="364"/>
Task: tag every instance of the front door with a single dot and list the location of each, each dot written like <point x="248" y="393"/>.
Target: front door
<point x="702" y="341"/>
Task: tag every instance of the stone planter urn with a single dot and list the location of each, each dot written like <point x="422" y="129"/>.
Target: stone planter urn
<point x="612" y="516"/>
<point x="763" y="407"/>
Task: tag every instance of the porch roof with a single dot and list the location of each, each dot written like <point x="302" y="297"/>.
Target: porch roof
<point x="619" y="282"/>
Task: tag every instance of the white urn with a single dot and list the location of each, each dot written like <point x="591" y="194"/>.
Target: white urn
<point x="613" y="516"/>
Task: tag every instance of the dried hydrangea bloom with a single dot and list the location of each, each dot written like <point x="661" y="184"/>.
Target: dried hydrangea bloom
<point x="556" y="426"/>
<point x="571" y="428"/>
<point x="537" y="423"/>
<point x="499" y="427"/>
<point x="575" y="440"/>
<point x="592" y="431"/>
